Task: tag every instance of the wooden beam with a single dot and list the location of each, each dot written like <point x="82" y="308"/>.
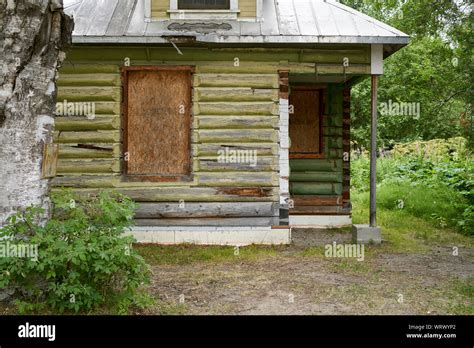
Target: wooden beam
<point x="373" y="153"/>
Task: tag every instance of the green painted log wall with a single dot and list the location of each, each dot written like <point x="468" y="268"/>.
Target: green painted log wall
<point x="234" y="105"/>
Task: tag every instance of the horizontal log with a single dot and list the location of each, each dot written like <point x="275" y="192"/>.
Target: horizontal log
<point x="177" y="193"/>
<point x="205" y="210"/>
<point x="235" y="135"/>
<point x="316" y="200"/>
<point x="233" y="94"/>
<point x="311" y="188"/>
<point x="79" y="151"/>
<point x="316" y="177"/>
<point x="236" y="80"/>
<point x="85" y="94"/>
<point x="234" y="122"/>
<point x="83" y="80"/>
<point x="85" y="124"/>
<point x="89" y="68"/>
<point x="231" y="222"/>
<point x="245" y="162"/>
<point x="334" y="154"/>
<point x="303" y="165"/>
<point x="335" y="143"/>
<point x="236" y="108"/>
<point x="107" y="108"/>
<point x="87" y="166"/>
<point x="332" y="131"/>
<point x="245" y="67"/>
<point x="213" y="149"/>
<point x="237" y="179"/>
<point x="87" y="137"/>
<point x="332" y="121"/>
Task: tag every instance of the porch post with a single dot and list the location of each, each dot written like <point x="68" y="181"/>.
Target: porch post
<point x="373" y="153"/>
<point x="371" y="233"/>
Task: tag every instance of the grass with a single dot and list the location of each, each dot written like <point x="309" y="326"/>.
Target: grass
<point x="407" y="230"/>
<point x="466" y="289"/>
<point x="187" y="254"/>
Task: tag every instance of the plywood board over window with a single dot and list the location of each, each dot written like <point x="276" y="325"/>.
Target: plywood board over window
<point x="157" y="120"/>
<point x="305" y="125"/>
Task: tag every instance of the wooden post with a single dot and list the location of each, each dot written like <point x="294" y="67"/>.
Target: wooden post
<point x="373" y="153"/>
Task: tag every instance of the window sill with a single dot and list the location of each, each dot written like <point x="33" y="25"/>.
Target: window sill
<point x="204" y="14"/>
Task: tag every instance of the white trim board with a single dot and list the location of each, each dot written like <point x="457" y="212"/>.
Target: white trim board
<point x="320" y="221"/>
<point x="235" y="236"/>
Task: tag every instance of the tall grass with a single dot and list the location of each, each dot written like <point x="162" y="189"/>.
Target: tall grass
<point x="430" y="180"/>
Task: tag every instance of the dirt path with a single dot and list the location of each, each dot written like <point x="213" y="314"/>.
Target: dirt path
<point x="300" y="280"/>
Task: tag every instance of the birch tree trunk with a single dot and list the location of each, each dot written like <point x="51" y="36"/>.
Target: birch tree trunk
<point x="33" y="34"/>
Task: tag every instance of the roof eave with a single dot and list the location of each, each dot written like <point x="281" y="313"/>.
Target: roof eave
<point x="277" y="39"/>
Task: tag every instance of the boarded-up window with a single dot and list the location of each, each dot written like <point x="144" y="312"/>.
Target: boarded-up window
<point x="157" y="122"/>
<point x="306" y="107"/>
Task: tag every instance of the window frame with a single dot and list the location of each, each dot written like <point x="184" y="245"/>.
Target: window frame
<point x="126" y="177"/>
<point x="227" y="6"/>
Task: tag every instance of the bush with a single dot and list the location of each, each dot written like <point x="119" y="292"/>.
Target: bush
<point x="437" y="176"/>
<point x="83" y="259"/>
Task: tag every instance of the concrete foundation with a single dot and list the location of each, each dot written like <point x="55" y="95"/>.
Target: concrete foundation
<point x="320" y="221"/>
<point x="364" y="234"/>
<point x="235" y="236"/>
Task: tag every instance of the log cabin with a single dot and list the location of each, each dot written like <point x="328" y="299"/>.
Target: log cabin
<point x="227" y="121"/>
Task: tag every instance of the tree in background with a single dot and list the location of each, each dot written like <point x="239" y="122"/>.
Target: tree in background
<point x="435" y="70"/>
<point x="33" y="34"/>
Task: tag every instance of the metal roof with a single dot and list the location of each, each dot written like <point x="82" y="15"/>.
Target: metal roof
<point x="284" y="21"/>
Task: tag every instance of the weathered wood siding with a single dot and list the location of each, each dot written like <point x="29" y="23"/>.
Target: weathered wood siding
<point x="248" y="8"/>
<point x="235" y="106"/>
<point x="159" y="9"/>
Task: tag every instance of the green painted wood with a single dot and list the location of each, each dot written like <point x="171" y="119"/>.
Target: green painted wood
<point x="75" y="151"/>
<point x="85" y="124"/>
<point x="316" y="177"/>
<point x="236" y="80"/>
<point x="313" y="188"/>
<point x="235" y="136"/>
<point x="84" y="166"/>
<point x="92" y="137"/>
<point x="157" y="193"/>
<point x="302" y="165"/>
<point x="236" y="108"/>
<point x="88" y="66"/>
<point x="235" y="122"/>
<point x="234" y="94"/>
<point x="88" y="80"/>
<point x="323" y="56"/>
<point x="205" y="150"/>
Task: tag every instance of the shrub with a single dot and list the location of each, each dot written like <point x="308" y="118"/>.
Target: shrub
<point x="437" y="176"/>
<point x="83" y="261"/>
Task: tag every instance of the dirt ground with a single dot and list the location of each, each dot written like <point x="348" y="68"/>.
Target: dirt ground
<point x="299" y="279"/>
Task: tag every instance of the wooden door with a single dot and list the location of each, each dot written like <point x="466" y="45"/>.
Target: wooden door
<point x="306" y="122"/>
<point x="157" y="123"/>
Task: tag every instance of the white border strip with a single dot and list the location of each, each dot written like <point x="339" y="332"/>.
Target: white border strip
<point x="320" y="221"/>
<point x="235" y="236"/>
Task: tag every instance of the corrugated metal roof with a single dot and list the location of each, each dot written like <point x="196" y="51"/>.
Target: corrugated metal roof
<point x="284" y="21"/>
